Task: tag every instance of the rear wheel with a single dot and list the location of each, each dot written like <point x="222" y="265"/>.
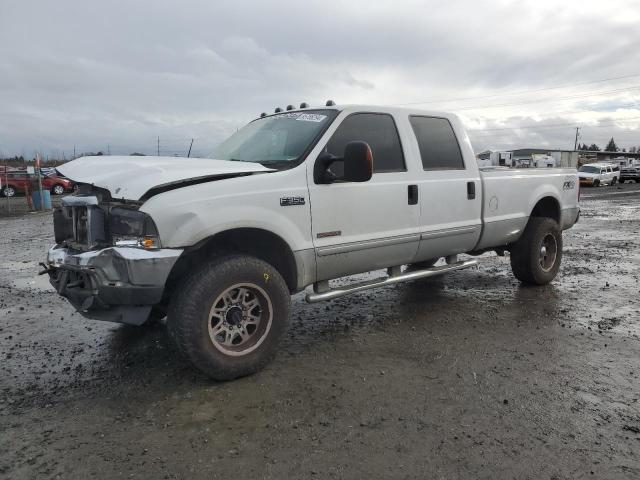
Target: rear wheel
<point x="57" y="190"/>
<point x="536" y="256"/>
<point x="230" y="315"/>
<point x="9" y="191"/>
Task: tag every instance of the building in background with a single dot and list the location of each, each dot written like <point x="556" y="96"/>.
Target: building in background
<point x="529" y="158"/>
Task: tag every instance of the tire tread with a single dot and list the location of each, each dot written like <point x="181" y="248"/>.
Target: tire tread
<point x="185" y="313"/>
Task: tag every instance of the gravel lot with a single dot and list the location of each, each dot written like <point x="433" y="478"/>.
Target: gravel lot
<point x="466" y="376"/>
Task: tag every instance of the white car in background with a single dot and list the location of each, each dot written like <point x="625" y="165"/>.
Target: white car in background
<point x="596" y="174"/>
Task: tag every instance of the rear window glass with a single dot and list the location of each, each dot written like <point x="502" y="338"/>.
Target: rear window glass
<point x="438" y="144"/>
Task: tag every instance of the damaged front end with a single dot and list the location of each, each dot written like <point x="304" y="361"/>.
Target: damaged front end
<point x="108" y="261"/>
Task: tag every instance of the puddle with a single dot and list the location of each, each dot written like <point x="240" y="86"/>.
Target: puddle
<point x="37" y="282"/>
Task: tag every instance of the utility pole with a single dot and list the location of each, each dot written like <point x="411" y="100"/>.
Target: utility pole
<point x="39" y="182"/>
<point x="74" y="152"/>
<point x="108" y="150"/>
<point x="575" y="144"/>
<point x="189" y="154"/>
<point x="158" y="145"/>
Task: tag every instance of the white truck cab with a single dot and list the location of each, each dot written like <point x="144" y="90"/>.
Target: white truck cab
<point x="294" y="199"/>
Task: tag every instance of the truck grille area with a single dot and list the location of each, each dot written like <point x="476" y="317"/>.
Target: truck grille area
<point x="79" y="223"/>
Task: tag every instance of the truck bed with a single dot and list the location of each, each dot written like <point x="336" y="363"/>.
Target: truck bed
<point x="505" y="212"/>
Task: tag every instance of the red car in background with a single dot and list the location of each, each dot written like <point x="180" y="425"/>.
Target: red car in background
<point x="17" y="182"/>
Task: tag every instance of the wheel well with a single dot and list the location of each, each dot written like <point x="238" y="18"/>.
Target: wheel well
<point x="547" y="207"/>
<point x="256" y="242"/>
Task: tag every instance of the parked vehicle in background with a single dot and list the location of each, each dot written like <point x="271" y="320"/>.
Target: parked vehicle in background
<point x="293" y="199"/>
<point x="596" y="174"/>
<point x="61" y="184"/>
<point x="615" y="169"/>
<point x="18" y="182"/>
<point x="631" y="173"/>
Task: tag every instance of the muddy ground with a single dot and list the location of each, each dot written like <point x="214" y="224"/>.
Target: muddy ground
<point x="466" y="376"/>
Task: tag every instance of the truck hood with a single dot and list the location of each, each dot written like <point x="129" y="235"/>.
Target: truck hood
<point x="133" y="177"/>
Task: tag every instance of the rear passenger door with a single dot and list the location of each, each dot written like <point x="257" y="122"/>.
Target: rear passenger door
<point x="364" y="226"/>
<point x="610" y="174"/>
<point x="450" y="190"/>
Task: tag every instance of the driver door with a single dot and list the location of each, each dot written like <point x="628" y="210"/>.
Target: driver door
<point x="357" y="227"/>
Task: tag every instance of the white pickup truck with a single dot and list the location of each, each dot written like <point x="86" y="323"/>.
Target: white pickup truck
<point x="294" y="199"/>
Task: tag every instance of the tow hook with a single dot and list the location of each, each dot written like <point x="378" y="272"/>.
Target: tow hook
<point x="47" y="269"/>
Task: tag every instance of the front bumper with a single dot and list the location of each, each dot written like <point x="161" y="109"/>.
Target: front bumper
<point x="117" y="284"/>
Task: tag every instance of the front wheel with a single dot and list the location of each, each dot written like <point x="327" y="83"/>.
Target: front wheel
<point x="536" y="256"/>
<point x="57" y="190"/>
<point x="596" y="183"/>
<point x="229" y="316"/>
<point x="613" y="181"/>
<point x="9" y="191"/>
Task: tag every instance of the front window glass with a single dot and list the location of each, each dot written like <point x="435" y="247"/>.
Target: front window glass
<point x="379" y="131"/>
<point x="276" y="141"/>
<point x="587" y="169"/>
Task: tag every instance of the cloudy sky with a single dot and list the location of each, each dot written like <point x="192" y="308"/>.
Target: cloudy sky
<point x="116" y="75"/>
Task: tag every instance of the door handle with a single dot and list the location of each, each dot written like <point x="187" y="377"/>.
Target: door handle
<point x="412" y="194"/>
<point x="471" y="190"/>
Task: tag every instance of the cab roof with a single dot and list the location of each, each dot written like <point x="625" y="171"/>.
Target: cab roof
<point x="353" y="108"/>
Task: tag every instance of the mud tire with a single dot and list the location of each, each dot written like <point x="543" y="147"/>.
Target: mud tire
<point x="188" y="317"/>
<point x="525" y="257"/>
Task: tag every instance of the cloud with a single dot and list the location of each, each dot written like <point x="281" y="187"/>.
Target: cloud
<point x="122" y="73"/>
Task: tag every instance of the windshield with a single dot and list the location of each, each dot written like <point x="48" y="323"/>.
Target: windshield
<point x="589" y="169"/>
<point x="278" y="140"/>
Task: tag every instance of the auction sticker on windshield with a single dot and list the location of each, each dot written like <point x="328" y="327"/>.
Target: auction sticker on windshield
<point x="311" y="117"/>
<point x="305" y="117"/>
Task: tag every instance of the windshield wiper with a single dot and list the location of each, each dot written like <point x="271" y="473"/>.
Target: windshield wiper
<point x="267" y="163"/>
<point x="277" y="163"/>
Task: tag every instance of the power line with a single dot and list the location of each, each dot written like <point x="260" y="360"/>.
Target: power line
<point x="424" y="102"/>
<point x="569" y="97"/>
<point x="556" y="125"/>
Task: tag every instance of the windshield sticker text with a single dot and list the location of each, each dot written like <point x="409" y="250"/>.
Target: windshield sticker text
<point x="311" y="117"/>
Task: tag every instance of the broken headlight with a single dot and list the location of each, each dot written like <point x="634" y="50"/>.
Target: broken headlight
<point x="132" y="228"/>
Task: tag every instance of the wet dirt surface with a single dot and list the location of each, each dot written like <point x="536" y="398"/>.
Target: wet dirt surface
<point x="465" y="376"/>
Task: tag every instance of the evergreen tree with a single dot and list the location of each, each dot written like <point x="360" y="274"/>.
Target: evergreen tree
<point x="611" y="146"/>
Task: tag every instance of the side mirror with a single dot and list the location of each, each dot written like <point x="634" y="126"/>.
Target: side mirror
<point x="358" y="162"/>
<point x="357" y="165"/>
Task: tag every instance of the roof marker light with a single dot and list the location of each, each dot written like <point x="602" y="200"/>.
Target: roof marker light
<point x="263" y="114"/>
<point x="289" y="107"/>
<point x="330" y="103"/>
<point x="278" y="110"/>
<point x="304" y="105"/>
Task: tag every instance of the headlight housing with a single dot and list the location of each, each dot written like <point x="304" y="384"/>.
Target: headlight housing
<point x="132" y="228"/>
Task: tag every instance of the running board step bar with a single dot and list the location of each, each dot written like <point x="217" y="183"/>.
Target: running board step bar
<point x="323" y="292"/>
